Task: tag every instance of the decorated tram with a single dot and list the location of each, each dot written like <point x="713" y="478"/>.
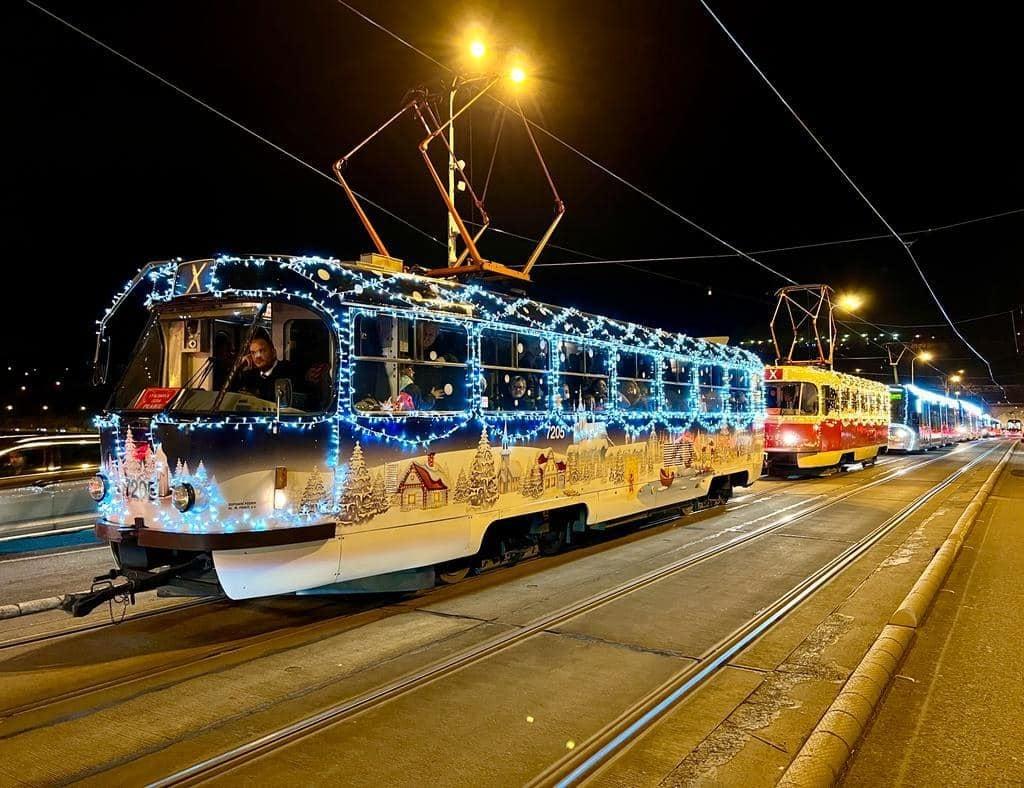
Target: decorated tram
<point x="921" y="419"/>
<point x="818" y="419"/>
<point x="300" y="424"/>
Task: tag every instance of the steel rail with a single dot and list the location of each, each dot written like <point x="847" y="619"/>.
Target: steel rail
<point x="605" y="745"/>
<point x="226" y="761"/>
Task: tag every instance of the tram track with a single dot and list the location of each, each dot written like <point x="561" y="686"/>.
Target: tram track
<point x="601" y="748"/>
<point x="261" y="645"/>
<point x="225" y="762"/>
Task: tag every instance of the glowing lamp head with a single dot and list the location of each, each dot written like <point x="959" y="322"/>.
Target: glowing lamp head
<point x="850" y="302"/>
<point x="477" y="49"/>
<point x="925" y="355"/>
<point x="517" y="74"/>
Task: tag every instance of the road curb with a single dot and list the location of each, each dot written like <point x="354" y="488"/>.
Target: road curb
<point x="822" y="759"/>
<point x="30" y="607"/>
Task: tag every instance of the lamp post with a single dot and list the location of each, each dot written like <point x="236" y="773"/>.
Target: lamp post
<point x="477" y="50"/>
<point x="925" y="356"/>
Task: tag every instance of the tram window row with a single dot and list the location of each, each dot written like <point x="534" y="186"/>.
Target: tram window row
<point x="420" y="365"/>
<point x="805" y="399"/>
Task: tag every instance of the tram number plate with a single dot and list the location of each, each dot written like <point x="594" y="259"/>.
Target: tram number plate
<point x="556" y="433"/>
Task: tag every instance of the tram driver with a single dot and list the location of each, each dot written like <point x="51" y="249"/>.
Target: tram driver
<point x="261" y="369"/>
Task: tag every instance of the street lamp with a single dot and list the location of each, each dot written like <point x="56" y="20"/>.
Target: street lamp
<point x="925" y="356"/>
<point x="850" y="302"/>
<point x="477" y="50"/>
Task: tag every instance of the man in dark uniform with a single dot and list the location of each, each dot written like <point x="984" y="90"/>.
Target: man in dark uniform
<point x="262" y="369"/>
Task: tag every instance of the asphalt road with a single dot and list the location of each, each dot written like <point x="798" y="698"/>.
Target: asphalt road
<point x="139" y="701"/>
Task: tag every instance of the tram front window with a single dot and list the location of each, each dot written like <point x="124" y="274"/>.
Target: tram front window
<point x="791" y="399"/>
<point x="228" y="358"/>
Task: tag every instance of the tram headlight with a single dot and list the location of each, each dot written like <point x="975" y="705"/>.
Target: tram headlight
<point x="98" y="487"/>
<point x="790" y="438"/>
<point x="183" y="496"/>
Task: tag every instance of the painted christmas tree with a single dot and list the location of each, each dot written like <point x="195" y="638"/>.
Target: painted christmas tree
<point x="461" y="493"/>
<point x="357" y="493"/>
<point x="314" y="494"/>
<point x="380" y="498"/>
<point x="483" y="476"/>
<point x="533" y="484"/>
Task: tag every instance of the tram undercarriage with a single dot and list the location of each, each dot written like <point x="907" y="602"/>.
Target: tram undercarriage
<point x="184" y="573"/>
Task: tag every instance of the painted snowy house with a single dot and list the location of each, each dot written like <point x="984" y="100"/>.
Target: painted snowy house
<point x="552" y="470"/>
<point x="508" y="472"/>
<point x="422" y="487"/>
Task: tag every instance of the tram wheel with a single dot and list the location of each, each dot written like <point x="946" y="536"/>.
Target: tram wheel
<point x="452" y="572"/>
<point x="552" y="542"/>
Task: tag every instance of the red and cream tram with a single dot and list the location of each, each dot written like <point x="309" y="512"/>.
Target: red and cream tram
<point x="305" y="425"/>
<point x="818" y="419"/>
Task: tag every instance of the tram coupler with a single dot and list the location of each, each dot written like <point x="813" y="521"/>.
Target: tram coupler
<point x="104" y="589"/>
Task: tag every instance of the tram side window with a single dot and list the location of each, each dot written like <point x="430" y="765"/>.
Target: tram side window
<point x="713" y="391"/>
<point x="635" y="381"/>
<point x="831" y="397"/>
<point x="515" y="368"/>
<point x="583" y="377"/>
<point x="403" y="364"/>
<point x="677" y="382"/>
<point x="808" y="399"/>
<point x="739" y="390"/>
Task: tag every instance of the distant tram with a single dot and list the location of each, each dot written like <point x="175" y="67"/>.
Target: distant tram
<point x="304" y="425"/>
<point x="818" y="419"/>
<point x="921" y="419"/>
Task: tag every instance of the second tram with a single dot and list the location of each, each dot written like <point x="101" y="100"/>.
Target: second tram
<point x="818" y="419"/>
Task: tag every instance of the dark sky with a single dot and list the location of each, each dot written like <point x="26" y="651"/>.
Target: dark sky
<point x="918" y="102"/>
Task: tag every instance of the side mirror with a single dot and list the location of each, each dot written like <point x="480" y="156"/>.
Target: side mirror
<point x="101" y="361"/>
<point x="283" y="394"/>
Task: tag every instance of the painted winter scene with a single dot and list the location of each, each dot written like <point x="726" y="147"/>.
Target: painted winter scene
<point x="650" y="472"/>
<point x="493" y="478"/>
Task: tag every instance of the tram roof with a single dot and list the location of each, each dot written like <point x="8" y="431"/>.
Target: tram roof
<point x="820" y="375"/>
<point x="356" y="284"/>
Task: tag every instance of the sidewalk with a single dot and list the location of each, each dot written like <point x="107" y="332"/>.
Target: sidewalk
<point x="955" y="714"/>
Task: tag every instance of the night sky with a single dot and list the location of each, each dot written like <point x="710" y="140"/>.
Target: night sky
<point x="920" y="103"/>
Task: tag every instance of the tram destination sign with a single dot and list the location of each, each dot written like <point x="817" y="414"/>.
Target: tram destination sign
<point x="194" y="277"/>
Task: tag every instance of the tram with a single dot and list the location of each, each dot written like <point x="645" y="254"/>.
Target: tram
<point x="818" y="419"/>
<point x="306" y="425"/>
<point x="921" y="419"/>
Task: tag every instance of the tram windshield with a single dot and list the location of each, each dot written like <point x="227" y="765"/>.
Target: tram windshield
<point x="240" y="357"/>
<point x="791" y="399"/>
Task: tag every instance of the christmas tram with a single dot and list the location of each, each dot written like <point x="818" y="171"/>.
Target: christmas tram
<point x="921" y="419"/>
<point x="304" y="425"/>
<point x="818" y="419"/>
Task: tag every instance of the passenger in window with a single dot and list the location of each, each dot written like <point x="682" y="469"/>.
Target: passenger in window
<point x="518" y="395"/>
<point x="436" y="345"/>
<point x="13" y="464"/>
<point x="597" y="395"/>
<point x="407" y="385"/>
<point x="632" y="396"/>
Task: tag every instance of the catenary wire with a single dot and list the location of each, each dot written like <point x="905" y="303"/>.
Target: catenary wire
<point x="855" y="187"/>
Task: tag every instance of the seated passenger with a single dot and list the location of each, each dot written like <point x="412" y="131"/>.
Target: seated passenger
<point x="517" y="397"/>
<point x="407" y="385"/>
<point x="437" y="346"/>
<point x="597" y="397"/>
<point x="631" y="396"/>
